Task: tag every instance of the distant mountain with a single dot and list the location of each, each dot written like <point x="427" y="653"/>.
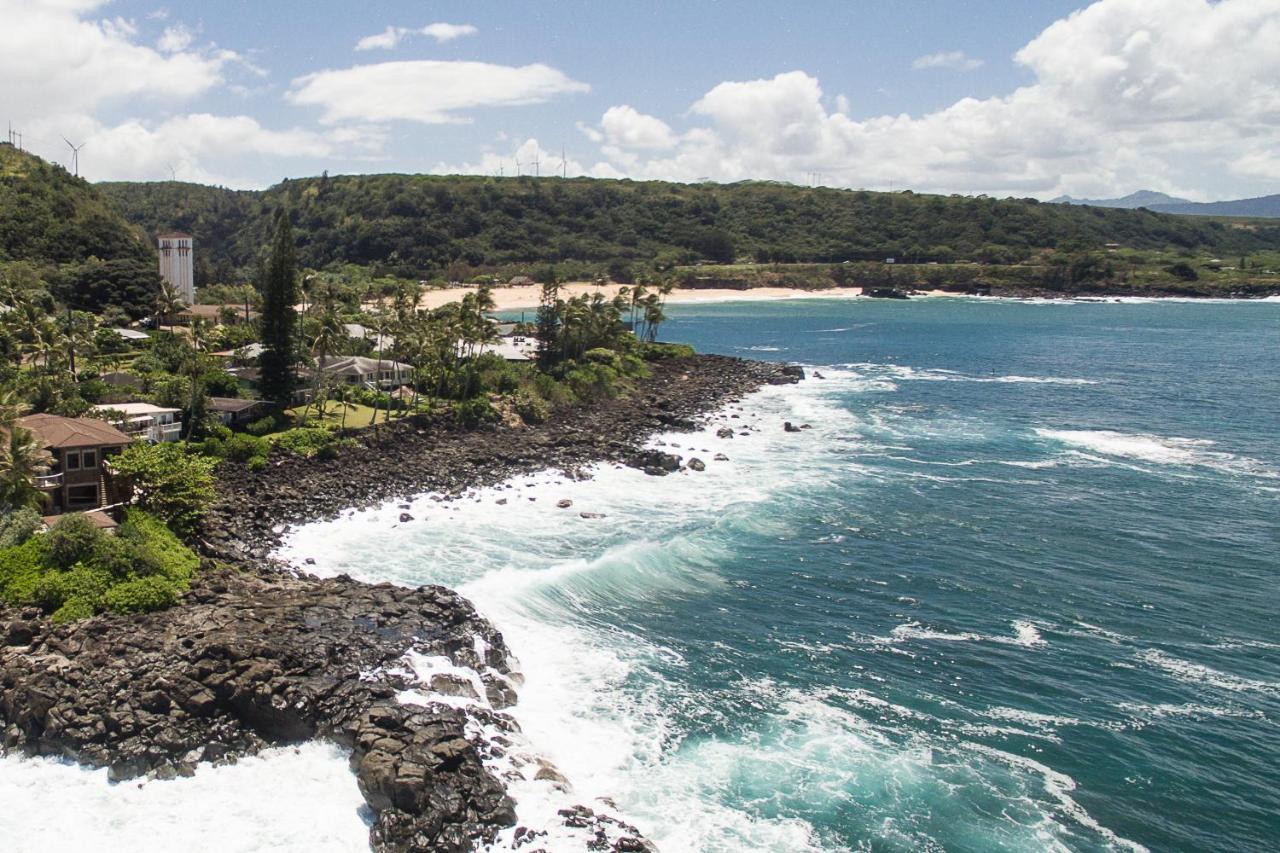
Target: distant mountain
<point x="1267" y="206"/>
<point x="1142" y="198"/>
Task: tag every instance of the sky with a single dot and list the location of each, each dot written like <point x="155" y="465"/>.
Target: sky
<point x="1034" y="98"/>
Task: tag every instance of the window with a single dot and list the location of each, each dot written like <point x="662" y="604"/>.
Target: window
<point x="89" y="460"/>
<point x="82" y="496"/>
<point x="71" y="460"/>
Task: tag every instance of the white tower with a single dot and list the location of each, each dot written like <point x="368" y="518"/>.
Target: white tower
<point x="176" y="264"/>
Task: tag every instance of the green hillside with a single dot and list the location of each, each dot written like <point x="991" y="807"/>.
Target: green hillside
<point x="424" y="226"/>
<point x="58" y="232"/>
<point x="46" y="215"/>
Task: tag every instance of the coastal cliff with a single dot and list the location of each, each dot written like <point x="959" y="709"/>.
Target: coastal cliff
<point x="413" y="681"/>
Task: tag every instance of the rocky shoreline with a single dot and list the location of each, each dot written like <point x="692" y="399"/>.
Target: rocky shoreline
<point x="413" y="681"/>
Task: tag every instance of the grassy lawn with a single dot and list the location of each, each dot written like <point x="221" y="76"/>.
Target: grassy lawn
<point x="357" y="416"/>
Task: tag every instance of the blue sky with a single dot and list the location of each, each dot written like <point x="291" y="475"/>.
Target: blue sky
<point x="1003" y="98"/>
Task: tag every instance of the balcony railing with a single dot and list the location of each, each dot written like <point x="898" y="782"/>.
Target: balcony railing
<point x="47" y="481"/>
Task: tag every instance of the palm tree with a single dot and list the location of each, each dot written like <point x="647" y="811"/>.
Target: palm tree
<point x="22" y="458"/>
<point x="329" y="334"/>
<point x="168" y="303"/>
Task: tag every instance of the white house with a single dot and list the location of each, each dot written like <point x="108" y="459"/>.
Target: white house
<point x="358" y="370"/>
<point x="143" y="420"/>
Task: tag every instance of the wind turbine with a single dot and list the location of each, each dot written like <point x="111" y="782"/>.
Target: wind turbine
<point x="536" y="171"/>
<point x="75" y="155"/>
<point x="564" y="164"/>
<point x="517" y="167"/>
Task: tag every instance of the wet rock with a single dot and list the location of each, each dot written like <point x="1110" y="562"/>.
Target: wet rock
<point x="404" y="516"/>
<point x="724" y="432"/>
<point x="564" y="503"/>
<point x="790" y="427"/>
<point x="591" y="515"/>
<point x="696" y="464"/>
<point x="720" y="457"/>
<point x="654" y="462"/>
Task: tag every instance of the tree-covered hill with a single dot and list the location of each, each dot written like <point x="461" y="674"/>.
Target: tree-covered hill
<point x="422" y="225"/>
<point x="60" y="233"/>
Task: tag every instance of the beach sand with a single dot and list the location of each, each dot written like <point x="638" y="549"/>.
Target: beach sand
<point x="516" y="298"/>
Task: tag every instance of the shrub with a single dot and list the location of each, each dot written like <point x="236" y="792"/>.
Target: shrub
<point x="593" y="381"/>
<point x="71" y="540"/>
<point x="304" y="441"/>
<point x="143" y="567"/>
<point x="262" y="426"/>
<point x="658" y="352"/>
<point x="16" y="527"/>
<point x="141" y="595"/>
<point x="475" y="412"/>
<point x="601" y="355"/>
<point x="242" y="447"/>
<point x="531" y="408"/>
<point x="1183" y="270"/>
<point x="73" y="609"/>
<point x="21" y="567"/>
<point x="167" y="481"/>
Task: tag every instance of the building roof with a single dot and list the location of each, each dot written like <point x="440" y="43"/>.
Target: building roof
<point x="214" y="312"/>
<point x="509" y="349"/>
<point x="174" y="235"/>
<point x="132" y="409"/>
<point x="118" y="377"/>
<point x="247" y="351"/>
<point x="58" y="433"/>
<point x="358" y="365"/>
<point x="232" y="404"/>
<point x="131" y="334"/>
<point x="97" y="518"/>
<point x="356" y="330"/>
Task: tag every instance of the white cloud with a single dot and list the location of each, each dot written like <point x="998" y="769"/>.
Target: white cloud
<point x="1126" y="94"/>
<point x="175" y="39"/>
<point x="953" y="59"/>
<point x="50" y="54"/>
<point x="625" y="127"/>
<point x="385" y="40"/>
<point x="442" y="32"/>
<point x="196" y="147"/>
<point x="60" y="70"/>
<point x="527" y="158"/>
<point x="427" y="91"/>
<point x="392" y="36"/>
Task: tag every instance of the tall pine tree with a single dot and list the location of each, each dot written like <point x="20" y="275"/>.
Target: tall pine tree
<point x="279" y="284"/>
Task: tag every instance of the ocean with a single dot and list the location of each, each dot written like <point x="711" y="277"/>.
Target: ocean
<point x="1013" y="588"/>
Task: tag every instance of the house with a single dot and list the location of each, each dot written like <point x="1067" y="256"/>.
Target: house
<point x="143" y="420"/>
<point x="358" y="332"/>
<point x="248" y="352"/>
<point x="234" y="412"/>
<point x="122" y="380"/>
<point x="370" y="372"/>
<point x="215" y="313"/>
<point x="133" y="336"/>
<point x="79" y="478"/>
<point x="521" y="281"/>
<point x="514" y="348"/>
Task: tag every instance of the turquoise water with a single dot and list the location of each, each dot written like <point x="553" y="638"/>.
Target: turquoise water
<point x="1014" y="589"/>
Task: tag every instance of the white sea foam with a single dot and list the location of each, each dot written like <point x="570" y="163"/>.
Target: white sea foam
<point x="1193" y="710"/>
<point x="915" y="374"/>
<point x="1024" y="634"/>
<point x="1160" y="450"/>
<point x="595" y="703"/>
<point x="1199" y="674"/>
<point x="284" y="800"/>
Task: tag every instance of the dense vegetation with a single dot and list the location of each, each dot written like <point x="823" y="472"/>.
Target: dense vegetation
<point x="76" y="570"/>
<point x="61" y="230"/>
<point x="453" y="227"/>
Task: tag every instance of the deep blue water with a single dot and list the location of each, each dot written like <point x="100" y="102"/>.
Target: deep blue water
<point x="1016" y="588"/>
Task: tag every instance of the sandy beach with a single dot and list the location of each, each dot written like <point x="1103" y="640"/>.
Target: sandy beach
<point x="516" y="298"/>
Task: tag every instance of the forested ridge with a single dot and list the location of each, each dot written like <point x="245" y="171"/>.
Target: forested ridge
<point x="422" y="225"/>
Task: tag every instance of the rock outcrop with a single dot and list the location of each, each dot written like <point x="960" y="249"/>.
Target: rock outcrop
<point x="257" y="655"/>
